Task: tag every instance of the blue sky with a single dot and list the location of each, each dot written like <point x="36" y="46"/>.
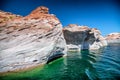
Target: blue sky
<point x="101" y="14"/>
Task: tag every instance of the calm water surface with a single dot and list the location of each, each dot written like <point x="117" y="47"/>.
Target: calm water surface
<point x="103" y="64"/>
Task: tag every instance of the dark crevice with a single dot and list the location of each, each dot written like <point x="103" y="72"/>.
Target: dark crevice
<point x="23" y="28"/>
<point x="9" y="32"/>
<point x="48" y="34"/>
<point x="3" y="38"/>
<point x="35" y="60"/>
<point x="54" y="57"/>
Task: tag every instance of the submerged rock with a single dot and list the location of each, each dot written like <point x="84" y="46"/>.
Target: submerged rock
<point x="83" y="37"/>
<point x="31" y="40"/>
<point x="113" y="38"/>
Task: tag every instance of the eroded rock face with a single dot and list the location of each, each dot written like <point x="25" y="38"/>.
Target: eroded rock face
<point x="83" y="37"/>
<point x="113" y="38"/>
<point x="5" y="17"/>
<point x="29" y="41"/>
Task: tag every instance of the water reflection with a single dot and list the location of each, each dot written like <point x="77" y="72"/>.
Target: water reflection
<point x="76" y="66"/>
<point x="84" y="65"/>
<point x="79" y="65"/>
<point x="88" y="59"/>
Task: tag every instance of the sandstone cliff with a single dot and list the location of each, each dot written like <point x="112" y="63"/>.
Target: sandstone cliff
<point x="113" y="38"/>
<point x="29" y="41"/>
<point x="39" y="37"/>
<point x="83" y="37"/>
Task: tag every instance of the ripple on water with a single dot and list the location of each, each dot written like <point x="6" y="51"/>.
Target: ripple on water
<point x="108" y="63"/>
<point x="103" y="64"/>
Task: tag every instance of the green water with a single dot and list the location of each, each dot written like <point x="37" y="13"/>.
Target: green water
<point x="102" y="64"/>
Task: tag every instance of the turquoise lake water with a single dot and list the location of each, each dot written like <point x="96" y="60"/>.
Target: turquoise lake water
<point x="103" y="64"/>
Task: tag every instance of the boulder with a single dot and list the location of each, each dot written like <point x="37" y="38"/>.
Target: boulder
<point x="83" y="37"/>
<point x="30" y="41"/>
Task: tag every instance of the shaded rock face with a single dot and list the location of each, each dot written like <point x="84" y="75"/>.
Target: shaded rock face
<point x="83" y="37"/>
<point x="31" y="40"/>
<point x="113" y="38"/>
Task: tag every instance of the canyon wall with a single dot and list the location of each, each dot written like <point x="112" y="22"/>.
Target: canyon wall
<point x="113" y="38"/>
<point x="83" y="37"/>
<point x="39" y="37"/>
<point x="29" y="41"/>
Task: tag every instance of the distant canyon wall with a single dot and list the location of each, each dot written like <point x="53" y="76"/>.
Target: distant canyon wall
<point x="113" y="38"/>
<point x="83" y="37"/>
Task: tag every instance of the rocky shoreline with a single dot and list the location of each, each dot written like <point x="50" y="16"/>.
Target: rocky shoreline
<point x="83" y="37"/>
<point x="39" y="38"/>
<point x="113" y="38"/>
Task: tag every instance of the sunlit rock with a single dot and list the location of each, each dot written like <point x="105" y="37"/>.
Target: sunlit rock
<point x="113" y="38"/>
<point x="83" y="37"/>
<point x="29" y="41"/>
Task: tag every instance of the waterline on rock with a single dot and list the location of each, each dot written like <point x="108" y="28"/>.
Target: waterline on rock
<point x="84" y="65"/>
